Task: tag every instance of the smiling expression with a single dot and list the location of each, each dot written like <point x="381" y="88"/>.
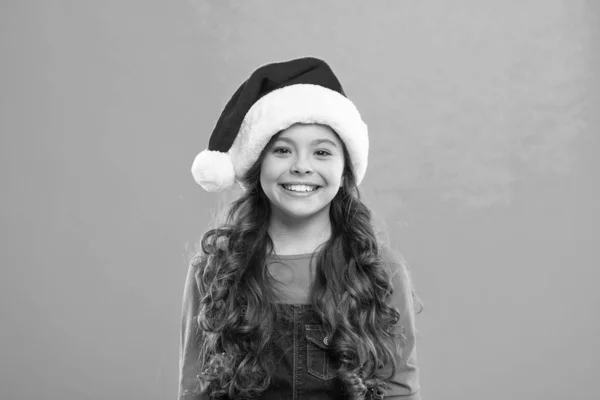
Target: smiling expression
<point x="303" y="153"/>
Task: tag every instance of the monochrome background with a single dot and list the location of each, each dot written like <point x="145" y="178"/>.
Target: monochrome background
<point x="483" y="169"/>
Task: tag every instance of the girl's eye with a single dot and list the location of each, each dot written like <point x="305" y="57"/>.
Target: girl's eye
<point x="280" y="149"/>
<point x="277" y="150"/>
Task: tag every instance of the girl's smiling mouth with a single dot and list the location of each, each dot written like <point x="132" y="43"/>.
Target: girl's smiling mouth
<point x="300" y="191"/>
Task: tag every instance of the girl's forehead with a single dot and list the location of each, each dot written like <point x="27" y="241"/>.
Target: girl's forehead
<point x="299" y="133"/>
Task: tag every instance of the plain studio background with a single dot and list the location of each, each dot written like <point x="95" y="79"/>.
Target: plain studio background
<point x="484" y="124"/>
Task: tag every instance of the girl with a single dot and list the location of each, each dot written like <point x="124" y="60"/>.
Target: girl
<point x="294" y="297"/>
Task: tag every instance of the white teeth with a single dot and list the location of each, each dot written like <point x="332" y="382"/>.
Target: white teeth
<point x="300" y="188"/>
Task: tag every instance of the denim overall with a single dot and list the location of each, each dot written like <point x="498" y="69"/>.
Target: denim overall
<point x="305" y="369"/>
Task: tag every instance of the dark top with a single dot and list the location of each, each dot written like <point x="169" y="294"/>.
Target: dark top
<point x="305" y="369"/>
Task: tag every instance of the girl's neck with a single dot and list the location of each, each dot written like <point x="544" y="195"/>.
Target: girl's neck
<point x="299" y="238"/>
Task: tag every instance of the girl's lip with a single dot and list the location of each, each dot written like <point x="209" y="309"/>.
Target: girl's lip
<point x="300" y="193"/>
<point x="287" y="184"/>
<point x="305" y="184"/>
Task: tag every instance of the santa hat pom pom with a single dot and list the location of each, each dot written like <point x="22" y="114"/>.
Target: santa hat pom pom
<point x="213" y="170"/>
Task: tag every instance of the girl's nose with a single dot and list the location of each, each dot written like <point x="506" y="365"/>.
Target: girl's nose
<point x="301" y="165"/>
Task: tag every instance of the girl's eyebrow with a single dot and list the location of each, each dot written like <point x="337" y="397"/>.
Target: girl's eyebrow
<point x="314" y="142"/>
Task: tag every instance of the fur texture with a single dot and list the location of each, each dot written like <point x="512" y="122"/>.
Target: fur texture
<point x="213" y="170"/>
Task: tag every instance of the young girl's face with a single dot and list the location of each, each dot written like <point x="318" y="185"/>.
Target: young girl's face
<point x="304" y="153"/>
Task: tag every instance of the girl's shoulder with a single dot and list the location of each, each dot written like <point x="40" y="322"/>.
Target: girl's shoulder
<point x="397" y="264"/>
<point x="198" y="260"/>
<point x="391" y="256"/>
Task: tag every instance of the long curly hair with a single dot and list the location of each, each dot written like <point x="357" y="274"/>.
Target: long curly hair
<point x="239" y="309"/>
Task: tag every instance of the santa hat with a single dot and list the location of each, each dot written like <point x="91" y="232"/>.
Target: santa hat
<point x="275" y="97"/>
